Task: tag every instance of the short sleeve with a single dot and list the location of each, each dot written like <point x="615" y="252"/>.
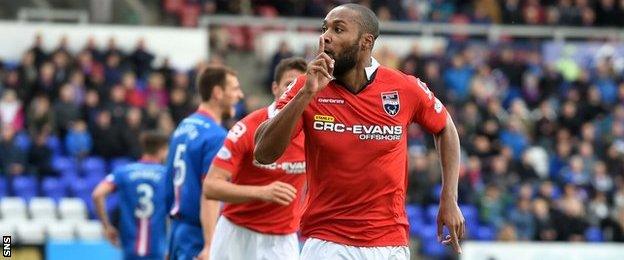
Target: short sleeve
<point x="429" y="112"/>
<point x="209" y="150"/>
<point x="290" y="93"/>
<point x="237" y="144"/>
<point x="112" y="179"/>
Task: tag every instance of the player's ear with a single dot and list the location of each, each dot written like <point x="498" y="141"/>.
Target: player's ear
<point x="367" y="41"/>
<point x="274" y="88"/>
<point x="218" y="92"/>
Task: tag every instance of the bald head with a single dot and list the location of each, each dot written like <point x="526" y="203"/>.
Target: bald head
<point x="367" y="19"/>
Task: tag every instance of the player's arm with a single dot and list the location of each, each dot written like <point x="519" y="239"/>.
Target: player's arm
<point x="99" y="195"/>
<point x="217" y="186"/>
<point x="447" y="144"/>
<point x="274" y="135"/>
<point x="209" y="213"/>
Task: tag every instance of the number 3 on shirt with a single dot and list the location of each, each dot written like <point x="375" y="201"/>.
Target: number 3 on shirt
<point x="145" y="209"/>
<point x="179" y="165"/>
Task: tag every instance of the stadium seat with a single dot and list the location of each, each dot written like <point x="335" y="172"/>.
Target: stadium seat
<point x="433" y="248"/>
<point x="61" y="230"/>
<point x="54" y="143"/>
<point x="414" y="211"/>
<point x="22" y="140"/>
<point x="93" y="165"/>
<point x="80" y="188"/>
<point x="89" y="230"/>
<point x="53" y="188"/>
<point x="8" y="226"/>
<point x="12" y="208"/>
<point x="486" y="233"/>
<point x="25" y="187"/>
<point x="64" y="164"/>
<point x="118" y="162"/>
<point x="593" y="234"/>
<point x="72" y="209"/>
<point x="470" y="212"/>
<point x="30" y="233"/>
<point x="432" y="213"/>
<point x="3" y="188"/>
<point x="42" y="208"/>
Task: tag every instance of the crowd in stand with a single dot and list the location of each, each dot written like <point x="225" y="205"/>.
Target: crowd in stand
<point x="530" y="12"/>
<point x="542" y="144"/>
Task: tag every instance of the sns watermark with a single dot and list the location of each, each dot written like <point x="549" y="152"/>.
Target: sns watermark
<point x="6" y="246"/>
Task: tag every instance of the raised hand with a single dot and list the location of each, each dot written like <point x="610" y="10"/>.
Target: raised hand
<point x="320" y="70"/>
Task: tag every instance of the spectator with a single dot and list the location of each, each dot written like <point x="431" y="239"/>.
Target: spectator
<point x="40" y="115"/>
<point x="168" y="73"/>
<point x="597" y="210"/>
<point x="544" y="222"/>
<point x="492" y="207"/>
<point x="156" y="90"/>
<point x="180" y="106"/>
<point x="142" y="59"/>
<point x="46" y="83"/>
<point x="117" y="106"/>
<point x="11" y="110"/>
<point x="40" y="155"/>
<point x="12" y="159"/>
<point x="283" y="52"/>
<point x="107" y="137"/>
<point x="570" y="225"/>
<point x="65" y="110"/>
<point x="91" y="107"/>
<point x="131" y="131"/>
<point x="78" y="140"/>
<point x="78" y="87"/>
<point x="613" y="227"/>
<point x="507" y="233"/>
<point x="511" y="12"/>
<point x="37" y="50"/>
<point x="113" y="69"/>
<point x="135" y="96"/>
<point x="457" y="79"/>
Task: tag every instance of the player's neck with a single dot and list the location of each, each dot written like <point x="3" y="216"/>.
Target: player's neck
<point x="149" y="158"/>
<point x="212" y="110"/>
<point x="355" y="79"/>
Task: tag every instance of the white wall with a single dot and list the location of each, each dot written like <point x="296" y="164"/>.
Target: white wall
<point x="539" y="251"/>
<point x="184" y="47"/>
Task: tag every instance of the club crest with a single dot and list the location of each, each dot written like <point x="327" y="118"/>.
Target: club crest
<point x="390" y="102"/>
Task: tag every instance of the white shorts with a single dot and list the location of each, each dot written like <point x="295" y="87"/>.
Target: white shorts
<point x="314" y="249"/>
<point x="233" y="242"/>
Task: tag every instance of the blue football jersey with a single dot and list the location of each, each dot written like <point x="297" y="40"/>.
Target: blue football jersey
<point x="193" y="145"/>
<point x="143" y="211"/>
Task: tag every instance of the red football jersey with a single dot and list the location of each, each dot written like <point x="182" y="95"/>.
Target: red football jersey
<point x="356" y="154"/>
<point x="236" y="156"/>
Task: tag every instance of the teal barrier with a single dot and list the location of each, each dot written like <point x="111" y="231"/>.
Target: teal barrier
<point x="80" y="250"/>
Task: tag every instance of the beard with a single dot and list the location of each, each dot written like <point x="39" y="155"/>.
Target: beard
<point x="346" y="60"/>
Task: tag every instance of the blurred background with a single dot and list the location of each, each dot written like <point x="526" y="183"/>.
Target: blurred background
<point x="536" y="88"/>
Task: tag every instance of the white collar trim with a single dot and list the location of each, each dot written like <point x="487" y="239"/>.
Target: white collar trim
<point x="272" y="110"/>
<point x="372" y="68"/>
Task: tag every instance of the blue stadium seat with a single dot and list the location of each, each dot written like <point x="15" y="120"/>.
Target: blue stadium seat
<point x="53" y="188"/>
<point x="25" y="187"/>
<point x="486" y="233"/>
<point x="433" y="248"/>
<point x="119" y="161"/>
<point x="22" y="140"/>
<point x="64" y="164"/>
<point x="92" y="165"/>
<point x="470" y="212"/>
<point x="80" y="188"/>
<point x="436" y="192"/>
<point x="414" y="211"/>
<point x="54" y="143"/>
<point x="593" y="234"/>
<point x="432" y="213"/>
<point x="3" y="187"/>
